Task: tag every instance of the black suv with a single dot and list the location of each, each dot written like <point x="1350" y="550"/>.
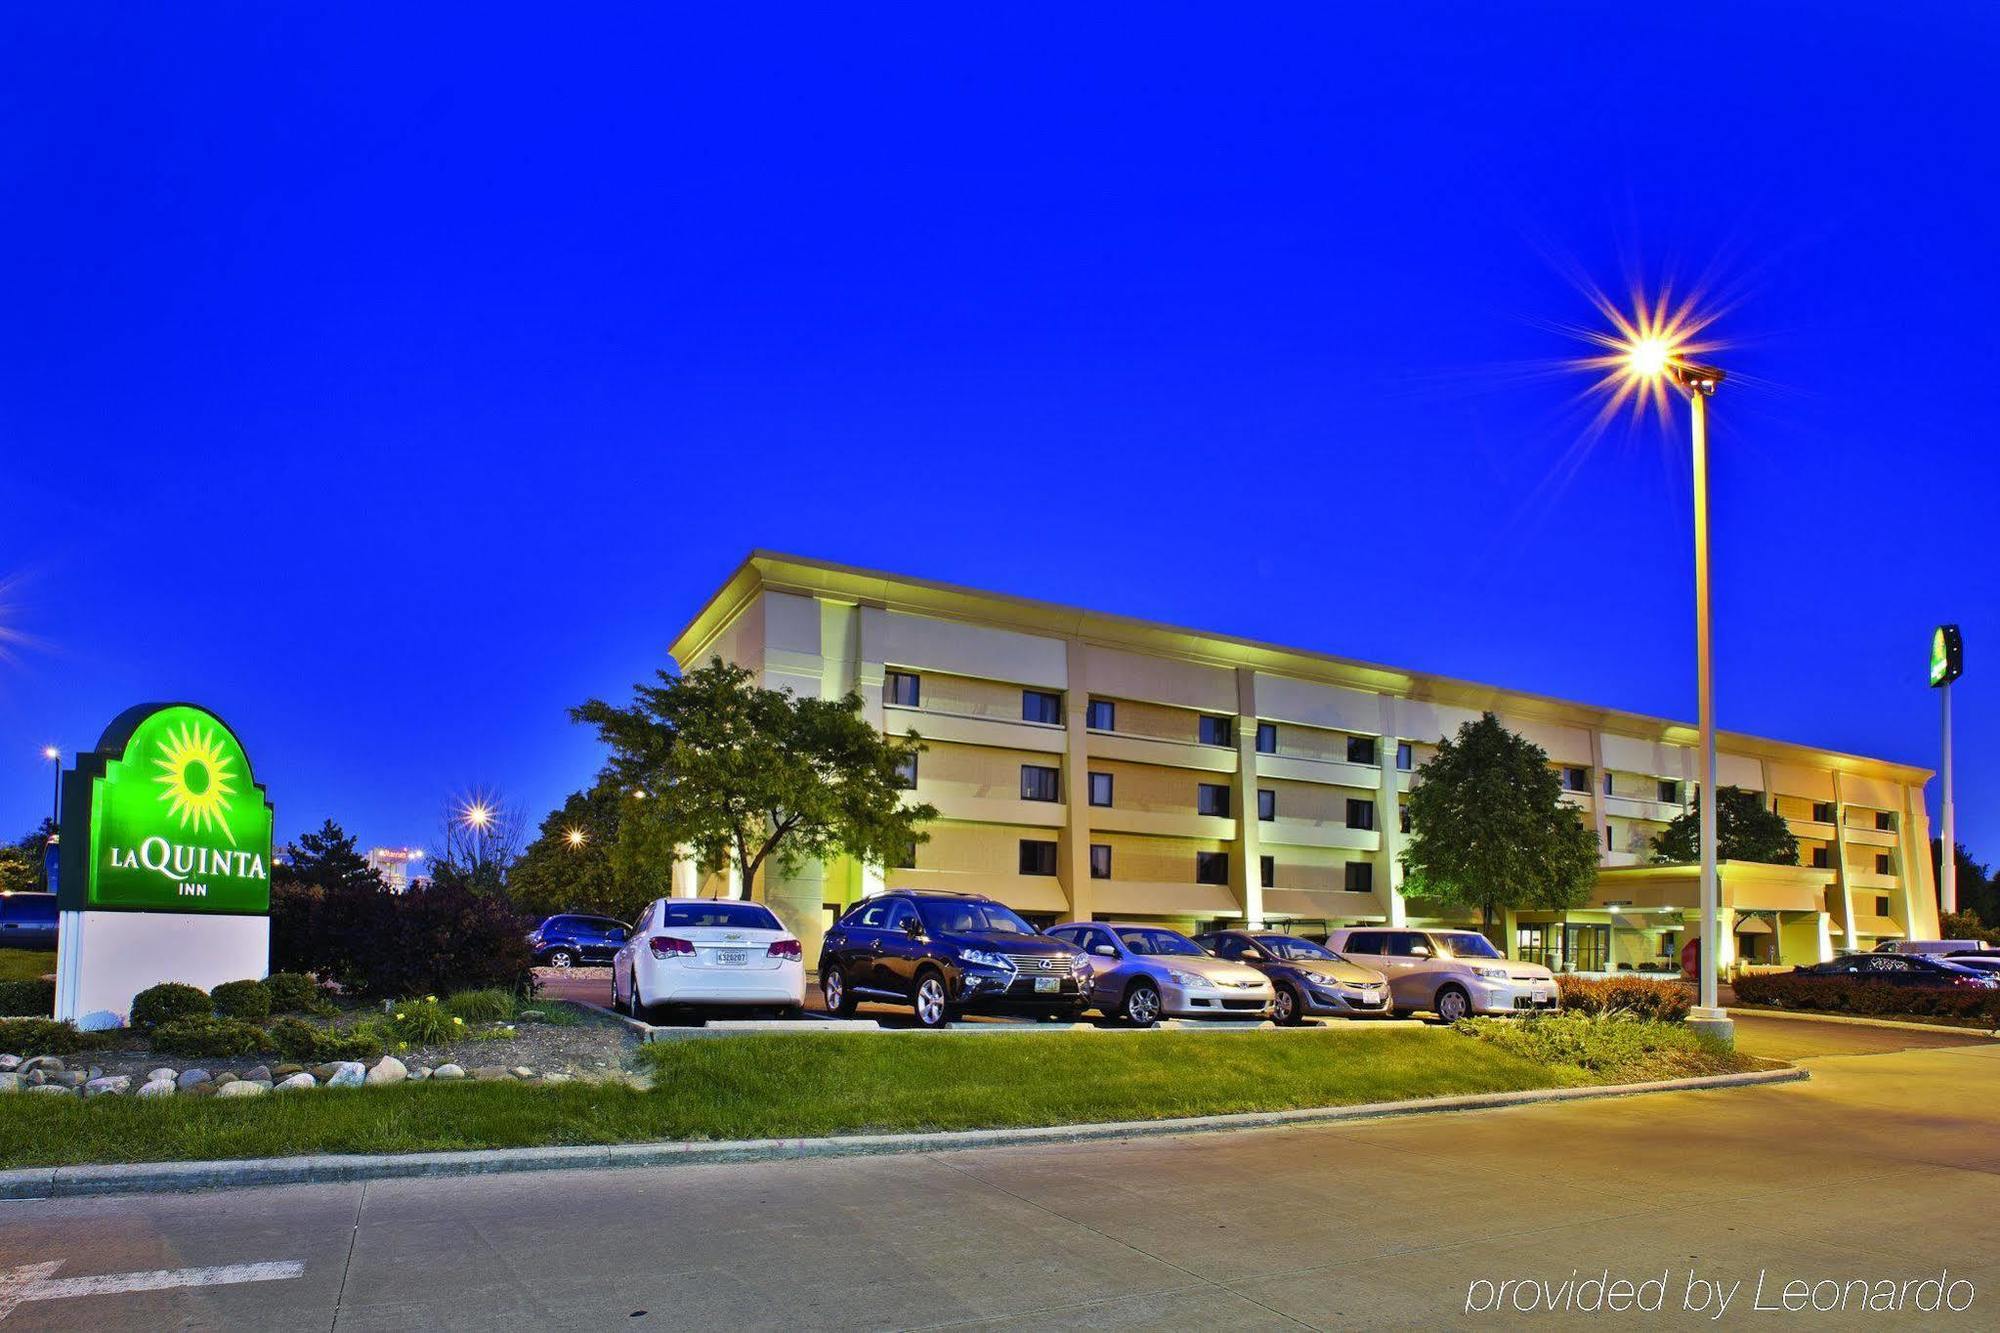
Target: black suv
<point x="575" y="940"/>
<point x="944" y="954"/>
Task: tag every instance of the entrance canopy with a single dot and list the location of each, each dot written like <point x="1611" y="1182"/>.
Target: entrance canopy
<point x="1745" y="886"/>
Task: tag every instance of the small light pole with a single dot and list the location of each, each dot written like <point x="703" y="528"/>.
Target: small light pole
<point x="54" y="756"/>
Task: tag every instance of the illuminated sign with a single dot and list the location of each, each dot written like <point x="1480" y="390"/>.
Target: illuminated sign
<point x="165" y="817"/>
<point x="1947" y="655"/>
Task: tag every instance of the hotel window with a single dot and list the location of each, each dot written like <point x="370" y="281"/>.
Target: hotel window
<point x="908" y="860"/>
<point x="1267" y="738"/>
<point x="1100" y="860"/>
<point x="1102" y="715"/>
<point x="1041" y="706"/>
<point x="1607" y="784"/>
<point x="1214" y="731"/>
<point x="1037" y="857"/>
<point x="1267" y="871"/>
<point x="1405" y="756"/>
<point x="1610" y="837"/>
<point x="1822" y="859"/>
<point x="1267" y="804"/>
<point x="1360" y="877"/>
<point x="1881" y="906"/>
<point x="1885" y="864"/>
<point x="1361" y="749"/>
<point x="1822" y="812"/>
<point x="1885" y="821"/>
<point x="1670" y="792"/>
<point x="1100" y="789"/>
<point x="1040" y="784"/>
<point x="1576" y="779"/>
<point x="901" y="688"/>
<point x="1360" y="814"/>
<point x="1211" y="867"/>
<point x="906" y="774"/>
<point x="1403" y="816"/>
<point x="1212" y="798"/>
<point x="1670" y="944"/>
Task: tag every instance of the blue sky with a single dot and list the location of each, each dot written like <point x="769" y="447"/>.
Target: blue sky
<point x="390" y="381"/>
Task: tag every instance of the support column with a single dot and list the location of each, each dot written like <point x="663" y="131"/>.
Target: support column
<point x="1246" y="870"/>
<point x="1389" y="814"/>
<point x="1598" y="777"/>
<point x="1840" y="864"/>
<point x="1074" y="863"/>
<point x="685" y="881"/>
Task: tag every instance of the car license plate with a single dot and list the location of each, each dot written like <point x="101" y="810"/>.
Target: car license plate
<point x="1047" y="985"/>
<point x="731" y="957"/>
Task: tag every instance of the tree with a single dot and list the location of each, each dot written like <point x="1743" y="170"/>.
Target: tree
<point x="19" y="873"/>
<point x="1746" y="829"/>
<point x="1489" y="829"/>
<point x="571" y="866"/>
<point x="323" y="893"/>
<point x="36" y="846"/>
<point x="1978" y="888"/>
<point x="742" y="775"/>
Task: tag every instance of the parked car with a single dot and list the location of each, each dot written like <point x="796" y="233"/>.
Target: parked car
<point x="1900" y="969"/>
<point x="948" y="953"/>
<point x="573" y="940"/>
<point x="1144" y="973"/>
<point x="1308" y="978"/>
<point x="708" y="952"/>
<point x="28" y="920"/>
<point x="1932" y="946"/>
<point x="1452" y="973"/>
<point x="1987" y="963"/>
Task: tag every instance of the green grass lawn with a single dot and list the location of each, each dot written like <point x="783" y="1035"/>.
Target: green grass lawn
<point x="772" y="1086"/>
<point x="26" y="964"/>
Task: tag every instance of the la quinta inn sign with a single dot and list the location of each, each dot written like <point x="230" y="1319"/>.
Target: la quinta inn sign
<point x="166" y="863"/>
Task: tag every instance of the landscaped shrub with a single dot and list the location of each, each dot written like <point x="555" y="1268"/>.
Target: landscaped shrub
<point x="1661" y="1001"/>
<point x="309" y="1043"/>
<point x="28" y="999"/>
<point x="480" y="1006"/>
<point x="210" y="1038"/>
<point x="247" y="1000"/>
<point x="1844" y="995"/>
<point x="294" y="993"/>
<point x="168" y="1002"/>
<point x="440" y="939"/>
<point x="1609" y="1045"/>
<point x="45" y="1036"/>
<point x="424" y="1022"/>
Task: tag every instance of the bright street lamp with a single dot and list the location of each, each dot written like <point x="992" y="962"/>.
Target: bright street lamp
<point x="476" y="815"/>
<point x="575" y="837"/>
<point x="54" y="755"/>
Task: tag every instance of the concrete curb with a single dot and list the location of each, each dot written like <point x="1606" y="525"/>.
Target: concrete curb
<point x="1804" y="1016"/>
<point x="65" y="1182"/>
<point x="814" y="1023"/>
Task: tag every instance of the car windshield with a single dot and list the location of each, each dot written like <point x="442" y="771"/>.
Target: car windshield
<point x="1467" y="944"/>
<point x="733" y="916"/>
<point x="972" y="917"/>
<point x="1291" y="946"/>
<point x="1159" y="943"/>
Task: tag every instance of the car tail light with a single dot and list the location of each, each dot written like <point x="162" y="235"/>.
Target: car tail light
<point x="786" y="949"/>
<point x="666" y="946"/>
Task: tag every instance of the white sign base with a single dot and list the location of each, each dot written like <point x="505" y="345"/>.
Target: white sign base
<point x="103" y="959"/>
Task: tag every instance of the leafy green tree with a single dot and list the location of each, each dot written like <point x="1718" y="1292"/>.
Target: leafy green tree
<point x="1746" y="829"/>
<point x="1489" y="829"/>
<point x="743" y="776"/>
<point x="19" y="872"/>
<point x="35" y="845"/>
<point x="571" y="865"/>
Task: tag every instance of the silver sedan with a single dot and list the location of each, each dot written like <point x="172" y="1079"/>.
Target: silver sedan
<point x="1145" y="973"/>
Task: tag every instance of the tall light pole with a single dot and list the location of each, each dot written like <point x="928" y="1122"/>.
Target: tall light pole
<point x="54" y="756"/>
<point x="1947" y="664"/>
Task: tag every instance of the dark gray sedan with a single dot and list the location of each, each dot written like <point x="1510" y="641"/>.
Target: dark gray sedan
<point x="1310" y="978"/>
<point x="1145" y="973"/>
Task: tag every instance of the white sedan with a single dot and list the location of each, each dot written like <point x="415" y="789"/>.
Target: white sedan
<point x="705" y="951"/>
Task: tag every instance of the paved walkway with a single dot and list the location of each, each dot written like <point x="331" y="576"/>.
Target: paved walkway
<point x="1883" y="1166"/>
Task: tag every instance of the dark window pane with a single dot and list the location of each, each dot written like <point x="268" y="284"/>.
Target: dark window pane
<point x="1267" y="804"/>
<point x="906" y="773"/>
<point x="1360" y="749"/>
<point x="1360" y="814"/>
<point x="1100" y="860"/>
<point x="1404" y="755"/>
<point x="1040" y="784"/>
<point x="1040" y="706"/>
<point x="1211" y="867"/>
<point x="1102" y="715"/>
<point x="1267" y="738"/>
<point x="1360" y="877"/>
<point x="1037" y="858"/>
<point x="1212" y="799"/>
<point x="900" y="688"/>
<point x="1100" y="789"/>
<point x="1215" y="731"/>
<point x="1267" y="870"/>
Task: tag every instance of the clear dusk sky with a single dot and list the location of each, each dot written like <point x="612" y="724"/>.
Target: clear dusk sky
<point x="389" y="380"/>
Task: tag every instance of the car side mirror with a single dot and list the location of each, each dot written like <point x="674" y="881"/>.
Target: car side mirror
<point x="914" y="928"/>
<point x="1251" y="956"/>
<point x="1104" y="951"/>
<point x="1420" y="951"/>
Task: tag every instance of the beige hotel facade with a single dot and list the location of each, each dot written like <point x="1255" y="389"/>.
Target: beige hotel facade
<point x="1092" y="765"/>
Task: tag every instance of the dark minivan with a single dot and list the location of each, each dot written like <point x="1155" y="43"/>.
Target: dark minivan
<point x="945" y="954"/>
<point x="574" y="940"/>
<point x="28" y="920"/>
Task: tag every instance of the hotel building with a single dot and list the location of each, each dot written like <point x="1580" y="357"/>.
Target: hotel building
<point x="1092" y="765"/>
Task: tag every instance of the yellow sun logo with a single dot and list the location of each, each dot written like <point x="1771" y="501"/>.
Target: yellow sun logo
<point x="196" y="780"/>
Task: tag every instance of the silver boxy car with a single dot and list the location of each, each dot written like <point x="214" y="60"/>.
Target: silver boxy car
<point x="1144" y="973"/>
<point x="1452" y="973"/>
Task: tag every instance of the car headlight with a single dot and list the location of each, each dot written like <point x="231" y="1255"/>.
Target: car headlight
<point x="1185" y="979"/>
<point x="1491" y="973"/>
<point x="1079" y="964"/>
<point x="1323" y="981"/>
<point x="982" y="958"/>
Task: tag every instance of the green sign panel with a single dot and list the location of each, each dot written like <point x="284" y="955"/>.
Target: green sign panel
<point x="169" y="819"/>
<point x="1947" y="655"/>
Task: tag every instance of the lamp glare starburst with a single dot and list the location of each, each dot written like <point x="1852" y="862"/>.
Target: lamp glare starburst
<point x="1640" y="349"/>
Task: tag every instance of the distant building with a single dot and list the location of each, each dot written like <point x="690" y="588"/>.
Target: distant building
<point x="396" y="866"/>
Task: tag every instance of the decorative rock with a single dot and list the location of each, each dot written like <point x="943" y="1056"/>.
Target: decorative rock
<point x="190" y="1077"/>
<point x="70" y="1078"/>
<point x="298" y="1081"/>
<point x="9" y="1081"/>
<point x="96" y="1071"/>
<point x="159" y="1087"/>
<point x="324" y="1073"/>
<point x="161" y="1073"/>
<point x="492" y="1073"/>
<point x="419" y="1074"/>
<point x="10" y="1062"/>
<point x="259" y="1074"/>
<point x="34" y="1078"/>
<point x="448" y="1072"/>
<point x="50" y="1087"/>
<point x="48" y="1064"/>
<point x="243" y="1087"/>
<point x="347" y="1074"/>
<point x="224" y="1079"/>
<point x="388" y="1070"/>
<point x="201" y="1090"/>
<point x="522" y="1071"/>
<point x="282" y="1072"/>
<point x="111" y="1085"/>
<point x="557" y="1078"/>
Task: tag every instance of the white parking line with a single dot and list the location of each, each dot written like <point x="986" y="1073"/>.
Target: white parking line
<point x="37" y="1282"/>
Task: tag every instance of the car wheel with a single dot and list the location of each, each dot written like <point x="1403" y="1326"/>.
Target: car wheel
<point x="839" y="999"/>
<point x="1453" y="1004"/>
<point x="561" y="958"/>
<point x="929" y="1001"/>
<point x="1142" y="1004"/>
<point x="1287" y="1008"/>
<point x="617" y="1005"/>
<point x="635" y="1004"/>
